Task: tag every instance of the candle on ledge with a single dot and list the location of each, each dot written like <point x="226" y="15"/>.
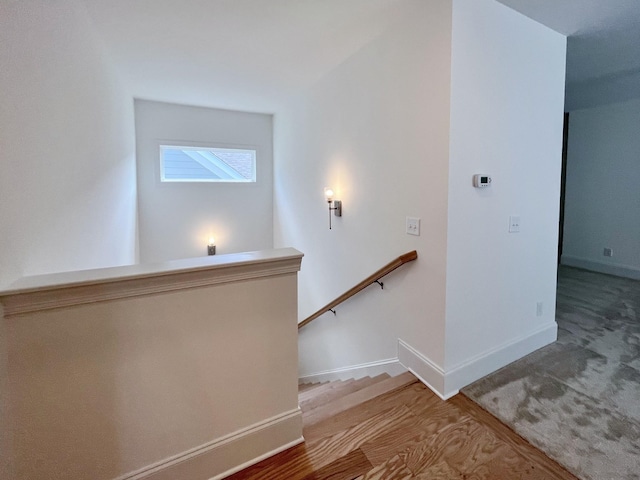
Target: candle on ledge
<point x="211" y="248"/>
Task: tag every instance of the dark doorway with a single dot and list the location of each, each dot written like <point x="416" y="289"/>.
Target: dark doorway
<point x="563" y="182"/>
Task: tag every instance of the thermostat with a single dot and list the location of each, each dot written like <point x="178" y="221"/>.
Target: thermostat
<point x="481" y="180"/>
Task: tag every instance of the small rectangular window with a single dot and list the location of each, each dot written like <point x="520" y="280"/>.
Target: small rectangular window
<point x="207" y="164"/>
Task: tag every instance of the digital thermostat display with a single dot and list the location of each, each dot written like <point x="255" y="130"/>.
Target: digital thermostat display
<point x="481" y="180"/>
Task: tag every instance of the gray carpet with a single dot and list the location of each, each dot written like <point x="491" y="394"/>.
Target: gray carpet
<point x="578" y="400"/>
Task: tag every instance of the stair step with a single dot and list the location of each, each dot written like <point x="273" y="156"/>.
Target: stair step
<point x="319" y="390"/>
<point x="335" y="390"/>
<point x="303" y="387"/>
<point x="353" y="399"/>
<point x="410" y="395"/>
<point x="340" y="389"/>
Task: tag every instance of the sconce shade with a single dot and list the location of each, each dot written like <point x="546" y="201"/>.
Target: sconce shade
<point x="328" y="194"/>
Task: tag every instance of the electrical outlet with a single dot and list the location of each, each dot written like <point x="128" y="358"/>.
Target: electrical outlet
<point x="413" y="226"/>
<point x="539" y="306"/>
<point x="514" y="223"/>
<point x="607" y="252"/>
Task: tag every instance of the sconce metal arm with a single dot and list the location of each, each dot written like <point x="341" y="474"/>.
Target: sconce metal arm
<point x="337" y="209"/>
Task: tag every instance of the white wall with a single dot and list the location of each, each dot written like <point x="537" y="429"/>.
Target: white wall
<point x="67" y="176"/>
<point x="507" y="94"/>
<point x="602" y="195"/>
<point x="176" y="219"/>
<point x="376" y="129"/>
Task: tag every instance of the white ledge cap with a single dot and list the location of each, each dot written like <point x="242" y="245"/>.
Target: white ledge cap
<point x="126" y="273"/>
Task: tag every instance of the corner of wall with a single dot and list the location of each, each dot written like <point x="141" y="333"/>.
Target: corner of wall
<point x="422" y="367"/>
<point x="448" y="382"/>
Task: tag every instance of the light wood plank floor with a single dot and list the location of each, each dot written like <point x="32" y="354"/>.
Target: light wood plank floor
<point x="408" y="433"/>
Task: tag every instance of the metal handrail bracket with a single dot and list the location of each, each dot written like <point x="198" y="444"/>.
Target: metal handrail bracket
<point x="373" y="278"/>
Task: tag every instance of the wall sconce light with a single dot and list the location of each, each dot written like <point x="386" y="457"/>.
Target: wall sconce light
<point x="337" y="204"/>
<point x="211" y="248"/>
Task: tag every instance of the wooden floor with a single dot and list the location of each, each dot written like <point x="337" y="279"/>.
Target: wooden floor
<point x="405" y="432"/>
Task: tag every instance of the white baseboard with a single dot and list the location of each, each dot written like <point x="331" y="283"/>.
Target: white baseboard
<point x="609" y="268"/>
<point x="448" y="383"/>
<point x="391" y="366"/>
<point x="488" y="362"/>
<point x="229" y="454"/>
<point x="427" y="372"/>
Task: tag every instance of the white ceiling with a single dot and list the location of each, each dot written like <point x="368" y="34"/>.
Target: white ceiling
<point x="239" y="54"/>
<point x="250" y="54"/>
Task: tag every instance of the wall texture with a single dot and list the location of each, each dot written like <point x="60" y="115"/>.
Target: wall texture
<point x="602" y="197"/>
<point x="376" y="129"/>
<point x="68" y="169"/>
<point x="176" y="219"/>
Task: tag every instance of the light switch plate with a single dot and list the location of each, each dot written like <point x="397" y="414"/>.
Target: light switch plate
<point x="514" y="223"/>
<point x="413" y="226"/>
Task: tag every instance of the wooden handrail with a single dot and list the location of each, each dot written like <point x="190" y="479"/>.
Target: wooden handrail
<point x="388" y="268"/>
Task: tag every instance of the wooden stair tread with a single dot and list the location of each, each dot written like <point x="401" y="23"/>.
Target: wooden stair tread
<point x="358" y="397"/>
<point x="303" y="387"/>
<point x="415" y="395"/>
<point x="319" y="390"/>
<point x="339" y="390"/>
<point x="325" y="396"/>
